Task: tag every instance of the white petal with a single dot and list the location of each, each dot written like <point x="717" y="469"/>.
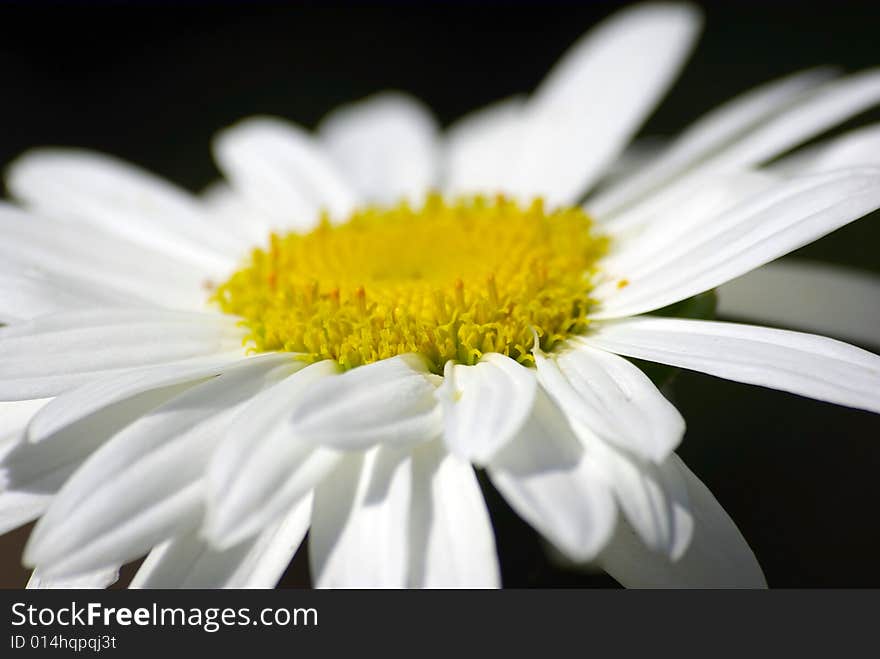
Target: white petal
<point x="24" y="296"/>
<point x="275" y="548"/>
<point x="145" y="484"/>
<point x="262" y="468"/>
<point x="810" y="115"/>
<point x="638" y="154"/>
<point x="717" y="557"/>
<point x="479" y="149"/>
<point x="232" y="213"/>
<point x="803" y="364"/>
<point x="113" y="318"/>
<point x="385" y="145"/>
<point x="282" y="171"/>
<point x="189" y="561"/>
<point x="852" y="149"/>
<point x="484" y="405"/>
<point x="613" y="398"/>
<point x="17" y="508"/>
<point x="97" y="579"/>
<point x="78" y="257"/>
<point x="587" y="108"/>
<point x="390" y="401"/>
<point x="15" y="415"/>
<point x="124" y="541"/>
<point x="808" y="295"/>
<point x="554" y="484"/>
<point x="752" y="233"/>
<point x="452" y="542"/>
<point x="51" y="354"/>
<point x="95" y="189"/>
<point x="359" y="536"/>
<point x="828" y="106"/>
<point x="31" y="474"/>
<point x="652" y="497"/>
<point x="78" y="403"/>
<point x="675" y="223"/>
<point x="706" y="136"/>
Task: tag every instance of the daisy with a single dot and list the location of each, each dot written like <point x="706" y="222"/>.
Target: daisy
<point x="418" y="304"/>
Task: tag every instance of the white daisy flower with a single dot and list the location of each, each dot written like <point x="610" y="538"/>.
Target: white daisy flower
<point x="178" y="394"/>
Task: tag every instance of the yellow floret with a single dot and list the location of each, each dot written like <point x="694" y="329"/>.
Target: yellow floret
<point x="449" y="280"/>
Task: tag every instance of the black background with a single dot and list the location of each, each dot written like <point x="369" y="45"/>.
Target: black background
<point x="151" y="84"/>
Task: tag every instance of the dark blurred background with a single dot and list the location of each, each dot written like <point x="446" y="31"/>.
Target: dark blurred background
<point x="151" y="84"/>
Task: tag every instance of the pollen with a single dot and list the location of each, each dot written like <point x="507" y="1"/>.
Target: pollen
<point x="450" y="280"/>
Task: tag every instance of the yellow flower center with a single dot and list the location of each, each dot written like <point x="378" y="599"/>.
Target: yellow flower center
<point x="449" y="280"/>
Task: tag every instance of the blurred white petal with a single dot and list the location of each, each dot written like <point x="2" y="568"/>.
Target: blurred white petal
<point x="708" y="134"/>
<point x="814" y="112"/>
<point x="385" y="145"/>
<point x="825" y="298"/>
<point x="479" y="149"/>
<point x="597" y="96"/>
<point x="102" y="191"/>
<point x="284" y="171"/>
